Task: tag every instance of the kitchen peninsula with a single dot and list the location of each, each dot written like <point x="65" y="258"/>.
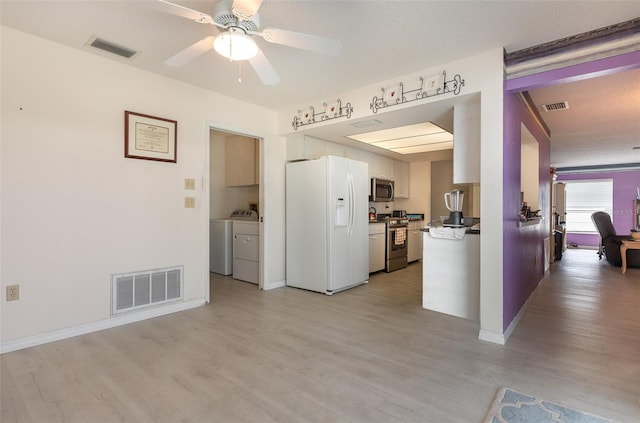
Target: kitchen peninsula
<point x="451" y="271"/>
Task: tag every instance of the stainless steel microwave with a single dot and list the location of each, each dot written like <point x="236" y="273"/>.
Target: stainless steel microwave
<point x="381" y="190"/>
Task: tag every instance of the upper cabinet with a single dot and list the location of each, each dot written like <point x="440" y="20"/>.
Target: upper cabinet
<point x="401" y="179"/>
<point x="241" y="161"/>
<point x="380" y="167"/>
<point x="466" y="142"/>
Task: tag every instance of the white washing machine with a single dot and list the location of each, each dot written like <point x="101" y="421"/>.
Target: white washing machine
<point x="221" y="246"/>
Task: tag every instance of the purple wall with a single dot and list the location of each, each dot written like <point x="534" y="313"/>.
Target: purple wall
<point x="625" y="185"/>
<point x="523" y="254"/>
<point x="520" y="275"/>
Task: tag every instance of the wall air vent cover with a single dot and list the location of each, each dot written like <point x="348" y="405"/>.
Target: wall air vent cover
<point x="555" y="106"/>
<point x="110" y="47"/>
<point x="135" y="290"/>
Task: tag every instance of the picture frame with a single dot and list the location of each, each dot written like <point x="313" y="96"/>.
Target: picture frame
<point x="150" y="138"/>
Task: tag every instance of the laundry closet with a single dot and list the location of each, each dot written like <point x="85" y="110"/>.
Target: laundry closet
<point x="234" y="239"/>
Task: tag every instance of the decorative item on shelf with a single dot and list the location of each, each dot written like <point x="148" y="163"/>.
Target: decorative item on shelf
<point x="330" y="111"/>
<point x="429" y="87"/>
<point x="393" y="95"/>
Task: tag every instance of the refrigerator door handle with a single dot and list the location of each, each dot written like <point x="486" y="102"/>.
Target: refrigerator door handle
<point x="351" y="202"/>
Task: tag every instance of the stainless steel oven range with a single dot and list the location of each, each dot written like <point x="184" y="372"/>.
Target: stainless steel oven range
<point x="396" y="254"/>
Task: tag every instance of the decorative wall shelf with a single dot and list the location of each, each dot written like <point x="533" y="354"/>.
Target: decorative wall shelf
<point x="428" y="87"/>
<point x="330" y="111"/>
<point x="530" y="222"/>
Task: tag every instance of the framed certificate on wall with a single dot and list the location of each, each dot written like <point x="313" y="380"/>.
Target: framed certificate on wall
<point x="150" y="138"/>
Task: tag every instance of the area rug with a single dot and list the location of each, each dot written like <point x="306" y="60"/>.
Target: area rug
<point x="510" y="406"/>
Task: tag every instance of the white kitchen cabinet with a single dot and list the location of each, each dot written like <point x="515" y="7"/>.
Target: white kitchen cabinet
<point x="401" y="179"/>
<point x="246" y="251"/>
<point x="451" y="276"/>
<point x="466" y="142"/>
<point x="376" y="247"/>
<point x="414" y="247"/>
<point x="241" y="154"/>
<point x="380" y="167"/>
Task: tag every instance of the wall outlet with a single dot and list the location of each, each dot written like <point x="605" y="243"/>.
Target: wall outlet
<point x="13" y="292"/>
<point x="189" y="183"/>
<point x="189" y="202"/>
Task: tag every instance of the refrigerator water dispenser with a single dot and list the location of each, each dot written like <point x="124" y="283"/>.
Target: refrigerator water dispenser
<point x="341" y="213"/>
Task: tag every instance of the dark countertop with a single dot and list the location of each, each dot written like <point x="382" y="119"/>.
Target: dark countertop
<point x="468" y="231"/>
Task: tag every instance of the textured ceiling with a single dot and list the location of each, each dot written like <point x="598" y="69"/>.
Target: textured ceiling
<point x="602" y="123"/>
<point x="381" y="39"/>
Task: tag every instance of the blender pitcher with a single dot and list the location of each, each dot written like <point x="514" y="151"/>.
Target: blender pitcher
<point x="453" y="200"/>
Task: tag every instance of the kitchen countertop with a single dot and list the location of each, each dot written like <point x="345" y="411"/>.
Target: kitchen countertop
<point x="468" y="231"/>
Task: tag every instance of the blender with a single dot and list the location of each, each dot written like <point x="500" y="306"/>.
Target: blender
<point x="453" y="200"/>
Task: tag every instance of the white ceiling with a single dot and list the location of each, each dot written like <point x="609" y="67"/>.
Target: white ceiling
<point x="381" y="39"/>
<point x="601" y="125"/>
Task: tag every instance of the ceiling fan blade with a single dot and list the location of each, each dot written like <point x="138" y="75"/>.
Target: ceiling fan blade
<point x="303" y="41"/>
<point x="245" y="9"/>
<point x="185" y="12"/>
<point x="188" y="54"/>
<point x="263" y="68"/>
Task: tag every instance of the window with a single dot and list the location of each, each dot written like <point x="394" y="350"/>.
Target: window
<point x="583" y="199"/>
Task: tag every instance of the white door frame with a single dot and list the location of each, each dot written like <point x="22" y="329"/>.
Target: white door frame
<point x="223" y="127"/>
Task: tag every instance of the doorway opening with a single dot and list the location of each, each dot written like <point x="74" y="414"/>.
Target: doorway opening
<point x="235" y="196"/>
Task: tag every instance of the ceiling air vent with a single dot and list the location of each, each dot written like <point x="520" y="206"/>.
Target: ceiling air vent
<point x="555" y="106"/>
<point x="110" y="47"/>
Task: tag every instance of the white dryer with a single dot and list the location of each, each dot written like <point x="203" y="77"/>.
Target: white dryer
<point x="246" y="246"/>
<point x="221" y="237"/>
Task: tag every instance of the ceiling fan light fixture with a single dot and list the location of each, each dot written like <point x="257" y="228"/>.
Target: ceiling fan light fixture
<point x="235" y="45"/>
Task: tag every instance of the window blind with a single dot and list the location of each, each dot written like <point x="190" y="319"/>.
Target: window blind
<point x="583" y="198"/>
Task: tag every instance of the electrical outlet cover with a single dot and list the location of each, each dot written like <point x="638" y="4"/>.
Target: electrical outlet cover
<point x="13" y="292"/>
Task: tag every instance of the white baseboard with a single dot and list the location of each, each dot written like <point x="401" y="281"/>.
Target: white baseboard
<point x="119" y="320"/>
<point x="274" y="285"/>
<point x="496" y="338"/>
<point x="501" y="339"/>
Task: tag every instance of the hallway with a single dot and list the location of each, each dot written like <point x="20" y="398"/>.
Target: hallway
<point x="369" y="354"/>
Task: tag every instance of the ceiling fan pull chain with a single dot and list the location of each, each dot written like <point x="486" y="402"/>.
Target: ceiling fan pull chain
<point x="239" y="70"/>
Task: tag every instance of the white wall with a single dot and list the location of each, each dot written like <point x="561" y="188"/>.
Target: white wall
<point x="530" y="169"/>
<point x="483" y="74"/>
<point x="74" y="210"/>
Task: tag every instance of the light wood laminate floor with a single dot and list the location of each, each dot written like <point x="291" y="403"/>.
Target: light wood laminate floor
<point x="369" y="354"/>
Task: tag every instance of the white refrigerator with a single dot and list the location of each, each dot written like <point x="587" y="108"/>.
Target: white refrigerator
<point x="327" y="224"/>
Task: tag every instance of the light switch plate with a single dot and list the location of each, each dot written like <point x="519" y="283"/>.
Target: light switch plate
<point x="189" y="202"/>
<point x="189" y="183"/>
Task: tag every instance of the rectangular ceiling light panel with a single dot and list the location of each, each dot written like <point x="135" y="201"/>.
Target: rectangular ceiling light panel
<point x="408" y="139"/>
<point x="416" y="141"/>
<point x="424" y="148"/>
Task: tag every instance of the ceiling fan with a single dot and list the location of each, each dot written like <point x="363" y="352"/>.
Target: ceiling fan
<point x="239" y="23"/>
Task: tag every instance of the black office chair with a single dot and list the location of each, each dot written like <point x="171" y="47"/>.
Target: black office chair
<point x="610" y="242"/>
